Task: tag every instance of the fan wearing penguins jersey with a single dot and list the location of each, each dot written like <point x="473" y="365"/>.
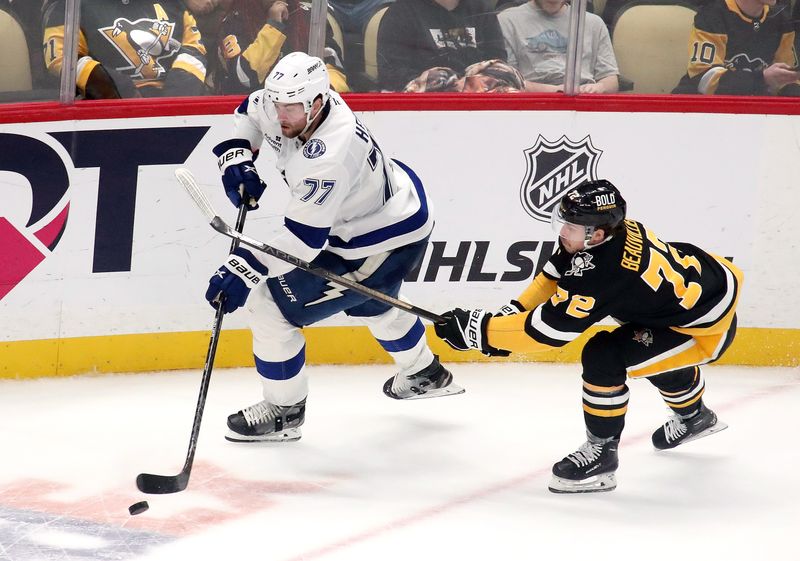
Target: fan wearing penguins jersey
<point x="742" y="47"/>
<point x="255" y="33"/>
<point x="352" y="211"/>
<point x="676" y="304"/>
<point x="130" y="49"/>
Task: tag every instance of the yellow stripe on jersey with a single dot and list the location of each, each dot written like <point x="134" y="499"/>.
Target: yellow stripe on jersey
<point x="264" y="51"/>
<point x="724" y="322"/>
<point x="85" y="66"/>
<point x="161" y="13"/>
<point x="734" y="7"/>
<point x="698" y="350"/>
<point x="192" y="65"/>
<point x="191" y="35"/>
<point x="538" y="292"/>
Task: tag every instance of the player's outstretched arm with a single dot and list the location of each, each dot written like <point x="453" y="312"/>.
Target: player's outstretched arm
<point x="465" y="330"/>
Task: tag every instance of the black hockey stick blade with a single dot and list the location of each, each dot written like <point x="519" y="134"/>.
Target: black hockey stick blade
<point x="153" y="484"/>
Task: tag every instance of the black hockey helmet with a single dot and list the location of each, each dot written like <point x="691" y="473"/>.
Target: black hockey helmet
<point x="596" y="204"/>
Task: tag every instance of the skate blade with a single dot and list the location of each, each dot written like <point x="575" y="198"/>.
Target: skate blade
<point x="288" y="435"/>
<point x="595" y="484"/>
<point x="716" y="427"/>
<point x="451" y="389"/>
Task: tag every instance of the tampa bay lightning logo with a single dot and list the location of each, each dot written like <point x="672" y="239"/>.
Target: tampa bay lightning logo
<point x="314" y="149"/>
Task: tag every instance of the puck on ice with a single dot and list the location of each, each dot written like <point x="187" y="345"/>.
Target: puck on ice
<point x="138" y="508"/>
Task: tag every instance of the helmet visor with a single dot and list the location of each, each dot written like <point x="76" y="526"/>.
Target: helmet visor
<point x="278" y="112"/>
<point x="567" y="231"/>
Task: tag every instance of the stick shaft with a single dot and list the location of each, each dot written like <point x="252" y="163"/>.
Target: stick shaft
<point x="204" y="204"/>
<point x="220" y="226"/>
<point x="160" y="484"/>
<point x="210" y="355"/>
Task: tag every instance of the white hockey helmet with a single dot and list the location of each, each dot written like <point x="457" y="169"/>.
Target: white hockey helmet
<point x="297" y="78"/>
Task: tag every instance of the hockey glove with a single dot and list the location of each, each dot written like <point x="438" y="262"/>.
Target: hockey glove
<point x="465" y="330"/>
<point x="233" y="280"/>
<point x="510" y="309"/>
<point x="239" y="175"/>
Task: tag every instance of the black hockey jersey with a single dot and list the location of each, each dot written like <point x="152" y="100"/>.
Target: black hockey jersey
<point x="634" y="278"/>
<point x="250" y="44"/>
<point x="155" y="44"/>
<point x="730" y="50"/>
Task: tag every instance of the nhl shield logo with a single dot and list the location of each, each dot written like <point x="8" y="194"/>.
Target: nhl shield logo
<point x="553" y="168"/>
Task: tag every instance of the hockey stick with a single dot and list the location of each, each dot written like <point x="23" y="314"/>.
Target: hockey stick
<point x="162" y="484"/>
<point x="220" y="226"/>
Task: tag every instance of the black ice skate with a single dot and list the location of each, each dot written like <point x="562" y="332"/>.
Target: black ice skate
<point x="678" y="430"/>
<point x="265" y="422"/>
<point x="433" y="381"/>
<point x="589" y="469"/>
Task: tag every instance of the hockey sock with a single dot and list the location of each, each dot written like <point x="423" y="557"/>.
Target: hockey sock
<point x="604" y="409"/>
<point x="682" y="390"/>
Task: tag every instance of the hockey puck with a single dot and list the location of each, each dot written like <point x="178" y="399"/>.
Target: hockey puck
<point x="138" y="508"/>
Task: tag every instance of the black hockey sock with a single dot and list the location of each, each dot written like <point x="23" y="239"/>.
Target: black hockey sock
<point x="604" y="410"/>
<point x="681" y="390"/>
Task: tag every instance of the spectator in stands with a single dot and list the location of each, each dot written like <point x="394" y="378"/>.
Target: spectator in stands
<point x="536" y="35"/>
<point x="253" y="36"/>
<point x="742" y="47"/>
<point x="420" y="35"/>
<point x="130" y="49"/>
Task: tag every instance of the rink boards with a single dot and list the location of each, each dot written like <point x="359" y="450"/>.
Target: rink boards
<point x="104" y="260"/>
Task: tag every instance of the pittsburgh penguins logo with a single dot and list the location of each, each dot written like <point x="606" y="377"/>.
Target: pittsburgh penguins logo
<point x="144" y="43"/>
<point x="581" y="261"/>
<point x="643" y="336"/>
<point x="743" y="63"/>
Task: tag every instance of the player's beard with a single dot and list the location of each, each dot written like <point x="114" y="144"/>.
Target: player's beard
<point x="291" y="130"/>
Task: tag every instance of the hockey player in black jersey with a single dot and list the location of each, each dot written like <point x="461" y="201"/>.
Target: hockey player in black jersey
<point x="676" y="305"/>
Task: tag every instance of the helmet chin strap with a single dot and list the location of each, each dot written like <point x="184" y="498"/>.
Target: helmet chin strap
<point x="310" y="119"/>
<point x="589" y="232"/>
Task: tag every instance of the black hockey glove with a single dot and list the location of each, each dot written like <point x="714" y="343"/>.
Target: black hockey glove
<point x="235" y="161"/>
<point x="465" y="330"/>
<point x="233" y="281"/>
<point x="509" y="309"/>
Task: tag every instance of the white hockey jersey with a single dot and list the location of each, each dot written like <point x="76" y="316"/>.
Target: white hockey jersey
<point x="345" y="196"/>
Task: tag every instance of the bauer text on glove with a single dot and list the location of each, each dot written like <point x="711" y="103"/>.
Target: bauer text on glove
<point x="465" y="330"/>
<point x="233" y="281"/>
<point x="235" y="161"/>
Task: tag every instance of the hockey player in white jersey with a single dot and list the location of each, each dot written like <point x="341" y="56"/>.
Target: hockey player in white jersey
<point x="352" y="212"/>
